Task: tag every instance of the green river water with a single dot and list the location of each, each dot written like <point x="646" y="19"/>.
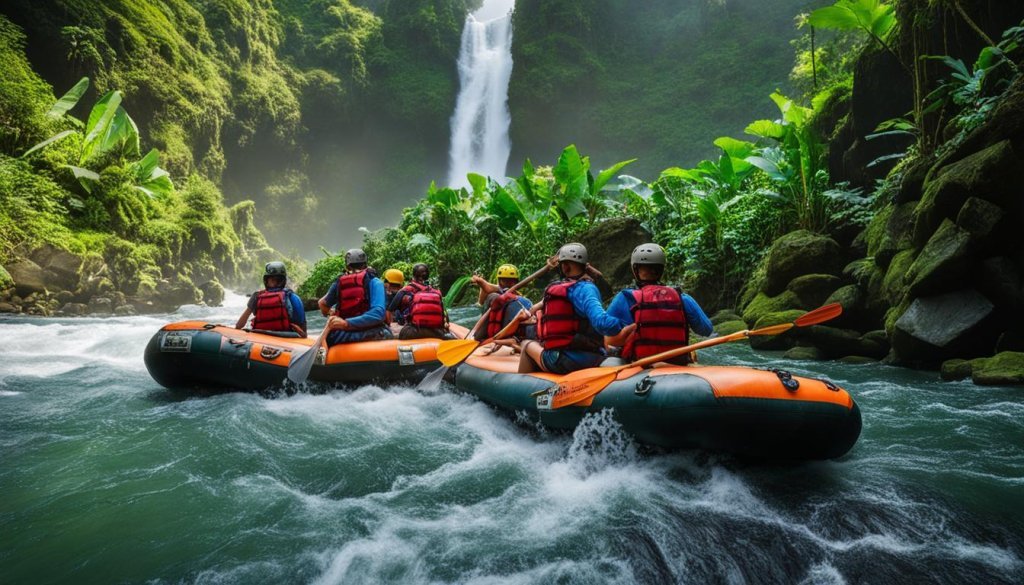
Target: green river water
<point x="108" y="478"/>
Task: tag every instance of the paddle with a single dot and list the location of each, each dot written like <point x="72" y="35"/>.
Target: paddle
<point x="454" y="351"/>
<point x="583" y="384"/>
<point x="299" y="367"/>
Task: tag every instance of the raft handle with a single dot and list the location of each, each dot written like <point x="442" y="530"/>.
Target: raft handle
<point x="270" y="353"/>
<point x="209" y="326"/>
<point x="643" y="387"/>
<point x="830" y="385"/>
<point x="786" y="378"/>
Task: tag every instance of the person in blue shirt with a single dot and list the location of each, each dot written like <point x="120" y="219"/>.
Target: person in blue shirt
<point x="573" y="321"/>
<point x="275" y="309"/>
<point x="659" y="317"/>
<point x="357" y="298"/>
<point x="503" y="305"/>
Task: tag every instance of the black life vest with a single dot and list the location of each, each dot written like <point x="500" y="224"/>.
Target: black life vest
<point x="559" y="327"/>
<point x="353" y="294"/>
<point x="496" y="318"/>
<point x="426" y="308"/>
<point x="271" y="313"/>
<point x="660" y="322"/>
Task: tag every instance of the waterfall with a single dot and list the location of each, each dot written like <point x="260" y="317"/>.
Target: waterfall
<point x="480" y="123"/>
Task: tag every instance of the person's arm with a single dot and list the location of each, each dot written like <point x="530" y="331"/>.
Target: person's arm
<point x="328" y="300"/>
<point x="587" y="300"/>
<point x="298" y="314"/>
<point x="375" y="315"/>
<point x="244" y="318"/>
<point x="486" y="288"/>
<point x="696" y="318"/>
<point x="620" y="309"/>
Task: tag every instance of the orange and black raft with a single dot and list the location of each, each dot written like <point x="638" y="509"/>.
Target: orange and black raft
<point x="200" y="355"/>
<point x="740" y="410"/>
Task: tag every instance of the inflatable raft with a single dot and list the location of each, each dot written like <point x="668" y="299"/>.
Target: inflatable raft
<point x="745" y="411"/>
<point x="200" y="355"/>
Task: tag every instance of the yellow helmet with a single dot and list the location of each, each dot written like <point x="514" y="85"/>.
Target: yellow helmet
<point x="508" y="271"/>
<point x="394" y="276"/>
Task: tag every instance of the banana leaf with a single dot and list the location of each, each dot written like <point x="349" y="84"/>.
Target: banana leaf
<point x="456" y="291"/>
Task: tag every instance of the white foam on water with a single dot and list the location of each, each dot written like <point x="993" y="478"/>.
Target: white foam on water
<point x="823" y="574"/>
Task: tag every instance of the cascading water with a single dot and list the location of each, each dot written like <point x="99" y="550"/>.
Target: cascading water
<point x="480" y="123"/>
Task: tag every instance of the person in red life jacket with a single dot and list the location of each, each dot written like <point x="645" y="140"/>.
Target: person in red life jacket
<point x="659" y="317"/>
<point x="571" y="327"/>
<point x="357" y="299"/>
<point x="275" y="308"/>
<point x="419" y="308"/>
<point x="504" y="305"/>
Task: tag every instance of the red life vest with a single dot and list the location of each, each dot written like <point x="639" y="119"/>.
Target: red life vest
<point x="660" y="322"/>
<point x="559" y="327"/>
<point x="496" y="318"/>
<point x="426" y="309"/>
<point x="353" y="294"/>
<point x="271" y="313"/>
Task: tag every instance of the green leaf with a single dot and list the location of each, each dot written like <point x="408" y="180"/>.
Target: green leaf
<point x="684" y="174"/>
<point x="69" y="100"/>
<point x="456" y="291"/>
<point x="150" y="178"/>
<point x="85" y="177"/>
<point x="478" y="182"/>
<point x="766" y="129"/>
<point x="833" y="17"/>
<point x="101" y="115"/>
<point x="48" y="142"/>
<point x="735" y="148"/>
<point x="768" y="167"/>
<point x="606" y="175"/>
<point x="571" y="175"/>
<point x="421" y="240"/>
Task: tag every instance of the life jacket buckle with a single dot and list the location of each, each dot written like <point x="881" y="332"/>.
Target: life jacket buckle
<point x="406" y="356"/>
<point x="643" y="387"/>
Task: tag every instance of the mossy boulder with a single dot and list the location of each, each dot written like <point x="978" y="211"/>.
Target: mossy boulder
<point x="723" y="316"/>
<point x="28" y="277"/>
<point x="803" y="353"/>
<point x="798" y="253"/>
<point x="979" y="217"/>
<point x="890" y="232"/>
<point x="1002" y="369"/>
<point x="6" y="281"/>
<point x="894" y="285"/>
<point x="943" y="262"/>
<point x="860" y="271"/>
<point x="213" y="293"/>
<point x="813" y="289"/>
<point x="764" y="304"/>
<point x="609" y="244"/>
<point x="955" y="369"/>
<point x="851" y="298"/>
<point x="836" y="342"/>
<point x="784" y="340"/>
<point x="730" y="327"/>
<point x="991" y="174"/>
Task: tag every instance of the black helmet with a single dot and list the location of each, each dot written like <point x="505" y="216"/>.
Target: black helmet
<point x="355" y="256"/>
<point x="421" y="271"/>
<point x="274" y="269"/>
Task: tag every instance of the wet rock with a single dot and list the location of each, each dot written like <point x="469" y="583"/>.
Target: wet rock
<point x="990" y="173"/>
<point x="9" y="308"/>
<point x="890" y="233"/>
<point x="74" y="309"/>
<point x="943" y="326"/>
<point x="857" y="360"/>
<point x="943" y="262"/>
<point x="1002" y="369"/>
<point x="878" y="337"/>
<point x="836" y="342"/>
<point x="609" y="244"/>
<point x="804" y="354"/>
<point x="979" y="217"/>
<point x="894" y="285"/>
<point x="179" y="293"/>
<point x="798" y="253"/>
<point x="100" y="306"/>
<point x="785" y="340"/>
<point x="813" y="289"/>
<point x="124" y="311"/>
<point x="37" y="309"/>
<point x="28" y="277"/>
<point x="311" y="304"/>
<point x="860" y="271"/>
<point x="730" y="327"/>
<point x="851" y="298"/>
<point x="62" y="269"/>
<point x="913" y="181"/>
<point x="723" y="316"/>
<point x="955" y="369"/>
<point x="1001" y="281"/>
<point x="763" y="305"/>
<point x="64" y="297"/>
<point x="213" y="293"/>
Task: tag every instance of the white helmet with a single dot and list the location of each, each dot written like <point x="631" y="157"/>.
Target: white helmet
<point x="573" y="253"/>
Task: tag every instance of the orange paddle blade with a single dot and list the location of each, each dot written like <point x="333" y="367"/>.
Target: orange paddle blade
<point x="819" y="315"/>
<point x="453" y="352"/>
<point x="579" y="386"/>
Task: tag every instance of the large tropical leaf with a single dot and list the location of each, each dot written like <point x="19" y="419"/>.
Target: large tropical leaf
<point x="69" y="100"/>
<point x="766" y="129"/>
<point x="874" y="17"/>
<point x="101" y="115"/>
<point x="606" y="175"/>
<point x="571" y="176"/>
<point x="479" y="184"/>
<point x="768" y="166"/>
<point x="456" y="291"/>
<point x="56" y="137"/>
<point x="150" y="178"/>
<point x="85" y="177"/>
<point x="689" y="175"/>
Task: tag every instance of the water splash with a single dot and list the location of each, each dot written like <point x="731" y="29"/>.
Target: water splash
<point x="480" y="142"/>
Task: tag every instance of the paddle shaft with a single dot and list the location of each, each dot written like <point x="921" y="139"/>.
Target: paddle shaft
<point x="512" y="288"/>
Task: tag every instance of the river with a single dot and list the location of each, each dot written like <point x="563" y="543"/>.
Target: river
<point x="107" y="477"/>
